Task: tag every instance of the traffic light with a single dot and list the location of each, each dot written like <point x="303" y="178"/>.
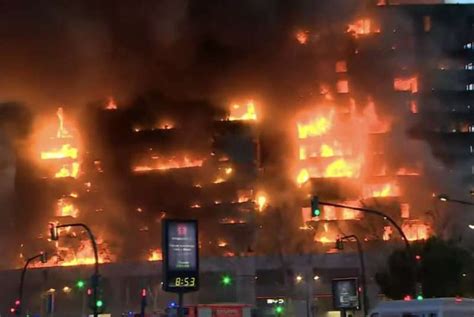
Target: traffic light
<point x="279" y="310"/>
<point x="80" y="284"/>
<point x="99" y="303"/>
<point x="315" y="211"/>
<point x="226" y="280"/>
<point x="44" y="258"/>
<point x="339" y="244"/>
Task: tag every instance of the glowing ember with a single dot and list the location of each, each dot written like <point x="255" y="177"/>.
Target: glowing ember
<point x="111" y="104"/>
<point x="245" y="112"/>
<point x="403" y="171"/>
<point x="167" y="164"/>
<point x="413" y="106"/>
<point x="222" y="243"/>
<point x="302" y="36"/>
<point x="387" y="233"/>
<point x="155" y="255"/>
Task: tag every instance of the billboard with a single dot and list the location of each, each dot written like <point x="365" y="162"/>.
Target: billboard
<point x="345" y="292"/>
<point x="180" y="256"/>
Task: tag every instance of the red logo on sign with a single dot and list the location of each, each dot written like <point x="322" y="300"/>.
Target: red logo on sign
<point x="182" y="230"/>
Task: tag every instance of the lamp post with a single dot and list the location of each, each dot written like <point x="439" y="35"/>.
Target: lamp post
<point x="54" y="233"/>
<point x="340" y="246"/>
<point x="43" y="258"/>
<point x="392" y="222"/>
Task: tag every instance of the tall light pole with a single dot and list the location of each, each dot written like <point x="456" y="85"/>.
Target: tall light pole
<point x="340" y="246"/>
<point x="43" y="258"/>
<point x="54" y="233"/>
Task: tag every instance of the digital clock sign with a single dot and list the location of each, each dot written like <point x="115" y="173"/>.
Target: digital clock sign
<point x="180" y="256"/>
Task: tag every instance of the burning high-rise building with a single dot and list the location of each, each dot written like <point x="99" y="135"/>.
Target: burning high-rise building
<point x="347" y="105"/>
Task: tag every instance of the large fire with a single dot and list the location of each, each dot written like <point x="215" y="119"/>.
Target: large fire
<point x="60" y="148"/>
<point x="155" y="255"/>
<point x="158" y="163"/>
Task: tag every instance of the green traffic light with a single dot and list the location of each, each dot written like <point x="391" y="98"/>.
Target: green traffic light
<point x="80" y="284"/>
<point x="226" y="280"/>
<point x="316" y="213"/>
<point x="99" y="303"/>
<point x="419" y="297"/>
<point x="279" y="309"/>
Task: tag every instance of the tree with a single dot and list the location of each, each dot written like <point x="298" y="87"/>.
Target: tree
<point x="444" y="270"/>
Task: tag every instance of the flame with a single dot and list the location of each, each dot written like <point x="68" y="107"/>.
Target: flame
<point x="341" y="168"/>
<point x="69" y="170"/>
<point x="302" y="36"/>
<point x="326" y="151"/>
<point x="315" y="127"/>
<point x="84" y="255"/>
<point x="303" y="176"/>
<point x="416" y="230"/>
<point x="66" y="151"/>
<point x="387" y="233"/>
<point x="382" y="190"/>
<point x="406" y="84"/>
<point x="65" y="208"/>
<point x="362" y="27"/>
<point x="167" y="164"/>
<point x="60" y="149"/>
<point x="245" y="112"/>
<point x="111" y="104"/>
<point x="155" y="255"/>
<point x="261" y="201"/>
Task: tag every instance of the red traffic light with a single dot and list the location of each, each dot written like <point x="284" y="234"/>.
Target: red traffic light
<point x="17" y="302"/>
<point x="143" y="292"/>
<point x="418" y="257"/>
<point x="407" y="298"/>
<point x="12" y="310"/>
<point x="89" y="291"/>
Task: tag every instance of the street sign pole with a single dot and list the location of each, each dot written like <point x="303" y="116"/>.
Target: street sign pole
<point x="180" y="304"/>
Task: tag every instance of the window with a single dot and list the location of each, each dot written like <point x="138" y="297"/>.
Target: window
<point x="468" y="66"/>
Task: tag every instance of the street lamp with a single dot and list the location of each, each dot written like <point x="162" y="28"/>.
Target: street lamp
<point x="19" y="302"/>
<point x="446" y="198"/>
<point x="340" y="246"/>
<point x="54" y="234"/>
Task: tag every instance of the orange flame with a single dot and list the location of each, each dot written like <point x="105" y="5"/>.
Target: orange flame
<point x="362" y="27"/>
<point x="66" y="208"/>
<point x="261" y="201"/>
<point x="245" y="112"/>
<point x="167" y="164"/>
<point x="315" y="127"/>
<point x="382" y="190"/>
<point x="155" y="255"/>
<point x="303" y="176"/>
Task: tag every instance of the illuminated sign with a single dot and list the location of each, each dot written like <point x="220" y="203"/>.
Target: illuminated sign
<point x="180" y="256"/>
<point x="273" y="301"/>
<point x="345" y="294"/>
